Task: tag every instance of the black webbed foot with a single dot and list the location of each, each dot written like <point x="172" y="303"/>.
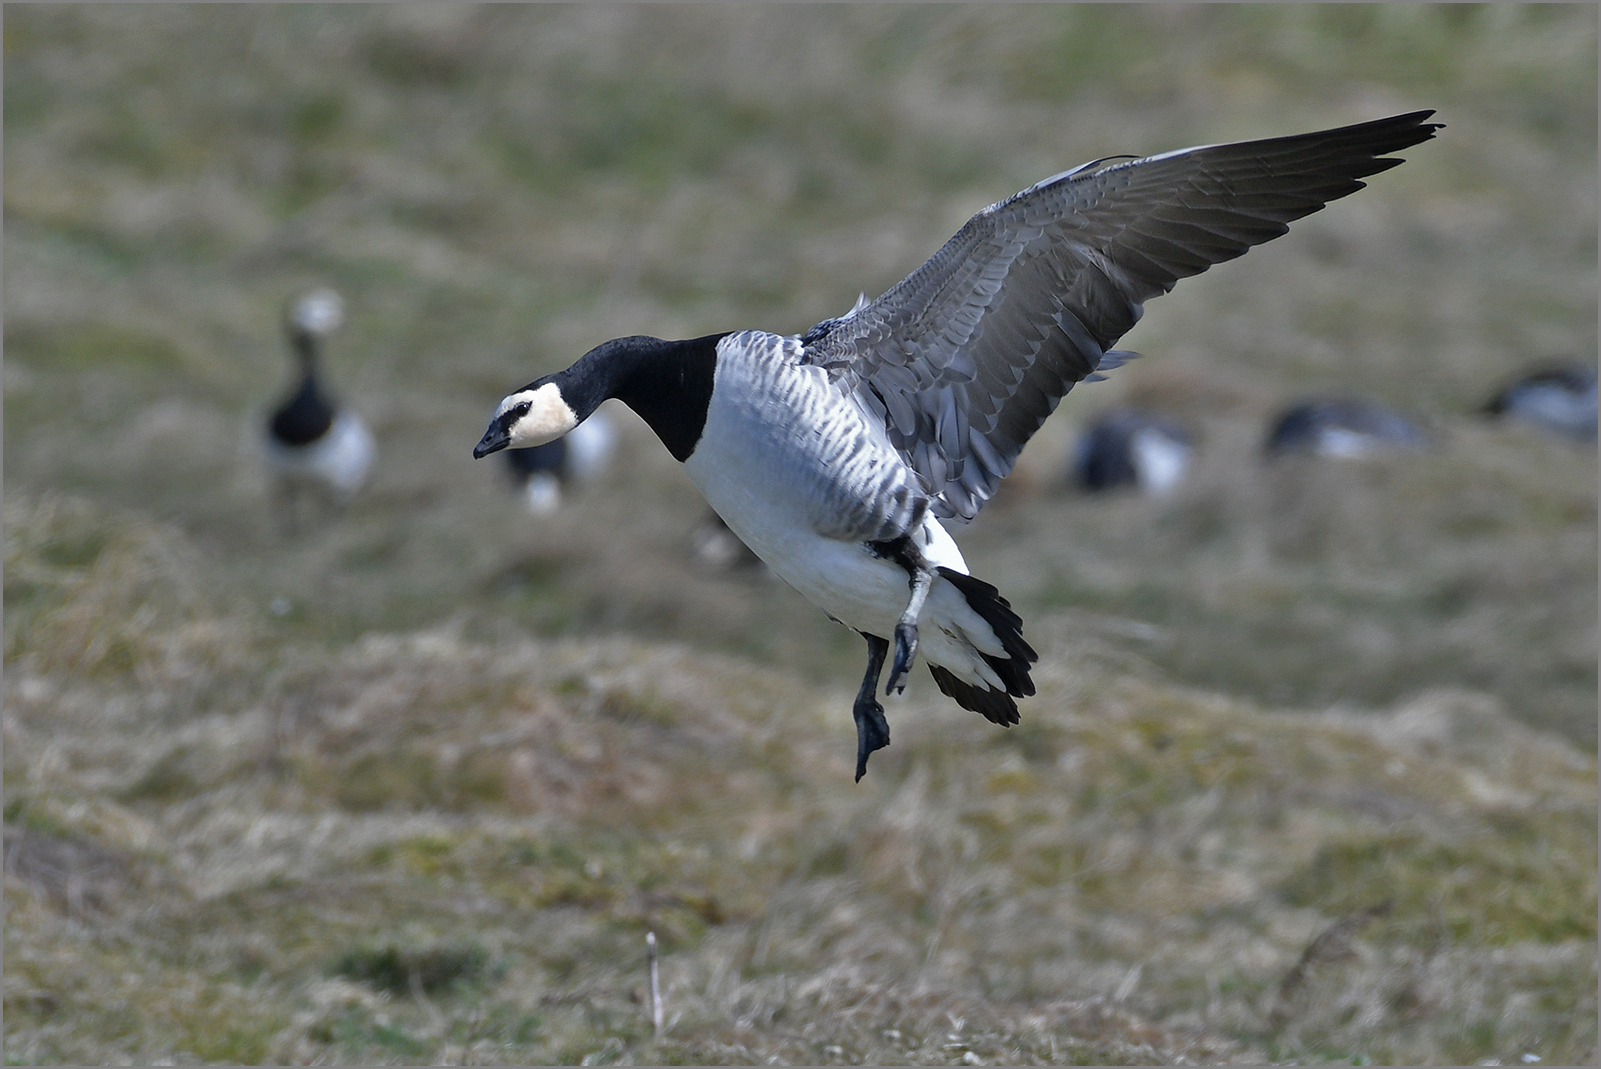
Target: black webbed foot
<point x="905" y="652"/>
<point x="872" y="732"/>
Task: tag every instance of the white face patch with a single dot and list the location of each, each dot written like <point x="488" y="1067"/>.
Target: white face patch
<point x="547" y="419"/>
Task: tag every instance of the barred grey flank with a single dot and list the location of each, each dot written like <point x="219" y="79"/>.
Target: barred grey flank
<point x="834" y="460"/>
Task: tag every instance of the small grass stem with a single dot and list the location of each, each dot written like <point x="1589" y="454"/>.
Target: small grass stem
<point x="655" y="984"/>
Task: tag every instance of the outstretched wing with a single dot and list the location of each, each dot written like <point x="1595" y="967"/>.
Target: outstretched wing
<point x="965" y="357"/>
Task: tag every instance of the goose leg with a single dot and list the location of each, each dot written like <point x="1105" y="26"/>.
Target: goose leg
<point x="906" y="630"/>
<point x="872" y="730"/>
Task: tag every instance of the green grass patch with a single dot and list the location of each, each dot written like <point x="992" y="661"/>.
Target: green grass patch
<point x="1488" y="891"/>
<point x="84" y="346"/>
<point x="403" y="970"/>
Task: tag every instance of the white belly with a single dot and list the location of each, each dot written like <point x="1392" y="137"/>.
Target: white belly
<point x="844" y="579"/>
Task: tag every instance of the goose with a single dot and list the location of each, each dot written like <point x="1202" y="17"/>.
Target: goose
<point x="1558" y="397"/>
<point x="313" y="444"/>
<point x="1341" y="427"/>
<point x="543" y="472"/>
<point x="838" y="454"/>
<point x="1128" y="447"/>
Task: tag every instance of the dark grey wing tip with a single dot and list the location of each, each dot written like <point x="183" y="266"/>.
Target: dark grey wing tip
<point x="1374" y="137"/>
<point x="1408" y="129"/>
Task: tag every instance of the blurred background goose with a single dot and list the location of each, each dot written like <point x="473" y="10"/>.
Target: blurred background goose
<point x="316" y="448"/>
<point x="1129" y="447"/>
<point x="1341" y="427"/>
<point x="544" y="474"/>
<point x="714" y="546"/>
<point x="1560" y="398"/>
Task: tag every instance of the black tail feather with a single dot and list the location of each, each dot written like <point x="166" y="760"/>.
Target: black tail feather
<point x="994" y="705"/>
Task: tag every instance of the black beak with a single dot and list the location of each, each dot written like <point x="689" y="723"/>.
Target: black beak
<point x="493" y="441"/>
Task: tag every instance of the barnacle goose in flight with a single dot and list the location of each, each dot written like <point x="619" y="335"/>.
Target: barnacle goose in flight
<point x="836" y="454"/>
<point x="312" y="443"/>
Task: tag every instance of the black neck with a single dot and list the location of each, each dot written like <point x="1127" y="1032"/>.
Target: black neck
<point x="305" y="416"/>
<point x="669" y="383"/>
<point x="305" y="345"/>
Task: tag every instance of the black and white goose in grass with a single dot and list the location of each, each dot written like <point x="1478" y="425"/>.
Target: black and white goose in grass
<point x="836" y="454"/>
<point x="314" y="444"/>
<point x="1342" y="427"/>
<point x="1558" y="397"/>
<point x="1129" y="447"/>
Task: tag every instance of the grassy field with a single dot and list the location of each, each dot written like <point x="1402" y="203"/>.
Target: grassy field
<point x="1311" y="775"/>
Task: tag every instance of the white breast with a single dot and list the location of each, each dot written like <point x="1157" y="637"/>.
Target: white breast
<point x="340" y="458"/>
<point x="1159" y="460"/>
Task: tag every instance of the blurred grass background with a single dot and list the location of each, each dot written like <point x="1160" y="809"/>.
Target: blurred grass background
<point x="484" y="753"/>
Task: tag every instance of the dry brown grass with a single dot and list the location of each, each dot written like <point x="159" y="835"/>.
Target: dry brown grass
<point x="261" y="878"/>
<point x="430" y="811"/>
